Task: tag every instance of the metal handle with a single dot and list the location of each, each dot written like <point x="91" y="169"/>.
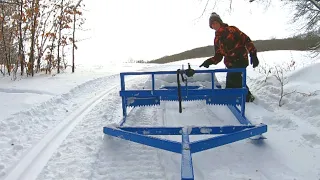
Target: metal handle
<point x="179" y="90"/>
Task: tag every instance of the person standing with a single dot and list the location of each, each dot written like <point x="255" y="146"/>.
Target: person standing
<point x="234" y="46"/>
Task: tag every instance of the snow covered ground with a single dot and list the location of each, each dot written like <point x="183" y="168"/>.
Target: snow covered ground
<point x="51" y="126"/>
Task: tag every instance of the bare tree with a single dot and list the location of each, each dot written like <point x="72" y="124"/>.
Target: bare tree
<point x="283" y="81"/>
<point x="75" y="12"/>
<point x="35" y="12"/>
<point x="42" y="33"/>
<point x="44" y="26"/>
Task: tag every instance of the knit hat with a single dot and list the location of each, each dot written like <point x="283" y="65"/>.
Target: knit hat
<point x="214" y="17"/>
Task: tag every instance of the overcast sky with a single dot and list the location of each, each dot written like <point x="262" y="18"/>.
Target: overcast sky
<point x="149" y="29"/>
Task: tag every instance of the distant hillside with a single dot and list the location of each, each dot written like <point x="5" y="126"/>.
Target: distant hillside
<point x="300" y="43"/>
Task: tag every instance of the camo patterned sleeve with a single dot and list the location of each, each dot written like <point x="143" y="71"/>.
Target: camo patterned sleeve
<point x="218" y="53"/>
<point x="248" y="43"/>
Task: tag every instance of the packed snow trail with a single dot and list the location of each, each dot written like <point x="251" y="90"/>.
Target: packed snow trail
<point x="23" y="130"/>
<point x="121" y="159"/>
<point x="239" y="160"/>
<point x="88" y="156"/>
<point x="33" y="162"/>
<point x="75" y="158"/>
<point x="35" y="157"/>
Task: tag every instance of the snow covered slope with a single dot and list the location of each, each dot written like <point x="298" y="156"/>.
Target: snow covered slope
<point x="59" y="136"/>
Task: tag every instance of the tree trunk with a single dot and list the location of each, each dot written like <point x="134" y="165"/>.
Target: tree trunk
<point x="21" y="53"/>
<point x="73" y="40"/>
<point x="60" y="28"/>
<point x="74" y="31"/>
<point x="6" y="61"/>
<point x="35" y="9"/>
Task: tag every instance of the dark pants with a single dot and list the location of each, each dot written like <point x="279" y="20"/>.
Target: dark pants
<point x="234" y="80"/>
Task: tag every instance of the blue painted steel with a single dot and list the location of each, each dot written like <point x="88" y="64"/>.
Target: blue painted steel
<point x="243" y="99"/>
<point x="140" y="135"/>
<point x="152" y="79"/>
<point x="186" y="158"/>
<point x="167" y="145"/>
<point x="210" y="143"/>
<point x="178" y="130"/>
<point x="143" y="101"/>
<point x="123" y="121"/>
<point x="191" y="92"/>
<point x="227" y="134"/>
<point x="212" y="96"/>
<point x="240" y="117"/>
<point x="174" y="72"/>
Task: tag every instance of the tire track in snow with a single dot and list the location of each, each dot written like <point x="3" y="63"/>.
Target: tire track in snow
<point x="33" y="162"/>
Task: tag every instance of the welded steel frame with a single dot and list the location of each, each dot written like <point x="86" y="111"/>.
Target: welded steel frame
<point x="226" y="134"/>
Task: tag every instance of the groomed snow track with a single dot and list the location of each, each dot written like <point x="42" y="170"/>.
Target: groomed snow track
<point x="33" y="161"/>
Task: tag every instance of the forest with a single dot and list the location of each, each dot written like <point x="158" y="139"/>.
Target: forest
<point x="36" y="34"/>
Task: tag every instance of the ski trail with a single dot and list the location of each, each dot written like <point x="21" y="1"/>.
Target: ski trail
<point x="77" y="153"/>
<point x="122" y="159"/>
<point x="33" y="162"/>
<point x="23" y="130"/>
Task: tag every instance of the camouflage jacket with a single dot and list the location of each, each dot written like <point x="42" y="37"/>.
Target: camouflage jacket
<point x="233" y="45"/>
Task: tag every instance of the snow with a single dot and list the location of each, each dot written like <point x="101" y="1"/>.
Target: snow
<point x="51" y="125"/>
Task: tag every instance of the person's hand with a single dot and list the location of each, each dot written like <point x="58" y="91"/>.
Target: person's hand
<point x="254" y="60"/>
<point x="207" y="63"/>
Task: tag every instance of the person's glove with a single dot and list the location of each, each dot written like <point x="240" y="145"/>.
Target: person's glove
<point x="254" y="60"/>
<point x="207" y="63"/>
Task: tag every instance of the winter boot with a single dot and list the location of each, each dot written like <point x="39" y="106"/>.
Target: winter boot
<point x="250" y="98"/>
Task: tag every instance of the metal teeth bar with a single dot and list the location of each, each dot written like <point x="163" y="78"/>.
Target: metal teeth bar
<point x="154" y="105"/>
<point x="192" y="98"/>
<point x="185" y="100"/>
<point x="155" y="100"/>
<point x="141" y="102"/>
<point x="218" y="104"/>
<point x="145" y="105"/>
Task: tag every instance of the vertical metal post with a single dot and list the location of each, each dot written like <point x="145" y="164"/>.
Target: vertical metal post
<point x="179" y="91"/>
<point x="244" y="85"/>
<point x="123" y="88"/>
<point x="152" y="79"/>
<point x="212" y="79"/>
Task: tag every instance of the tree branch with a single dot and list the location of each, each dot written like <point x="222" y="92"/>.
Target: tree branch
<point x="6" y="2"/>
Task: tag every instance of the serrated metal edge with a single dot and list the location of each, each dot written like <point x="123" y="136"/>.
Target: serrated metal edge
<point x="143" y="105"/>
